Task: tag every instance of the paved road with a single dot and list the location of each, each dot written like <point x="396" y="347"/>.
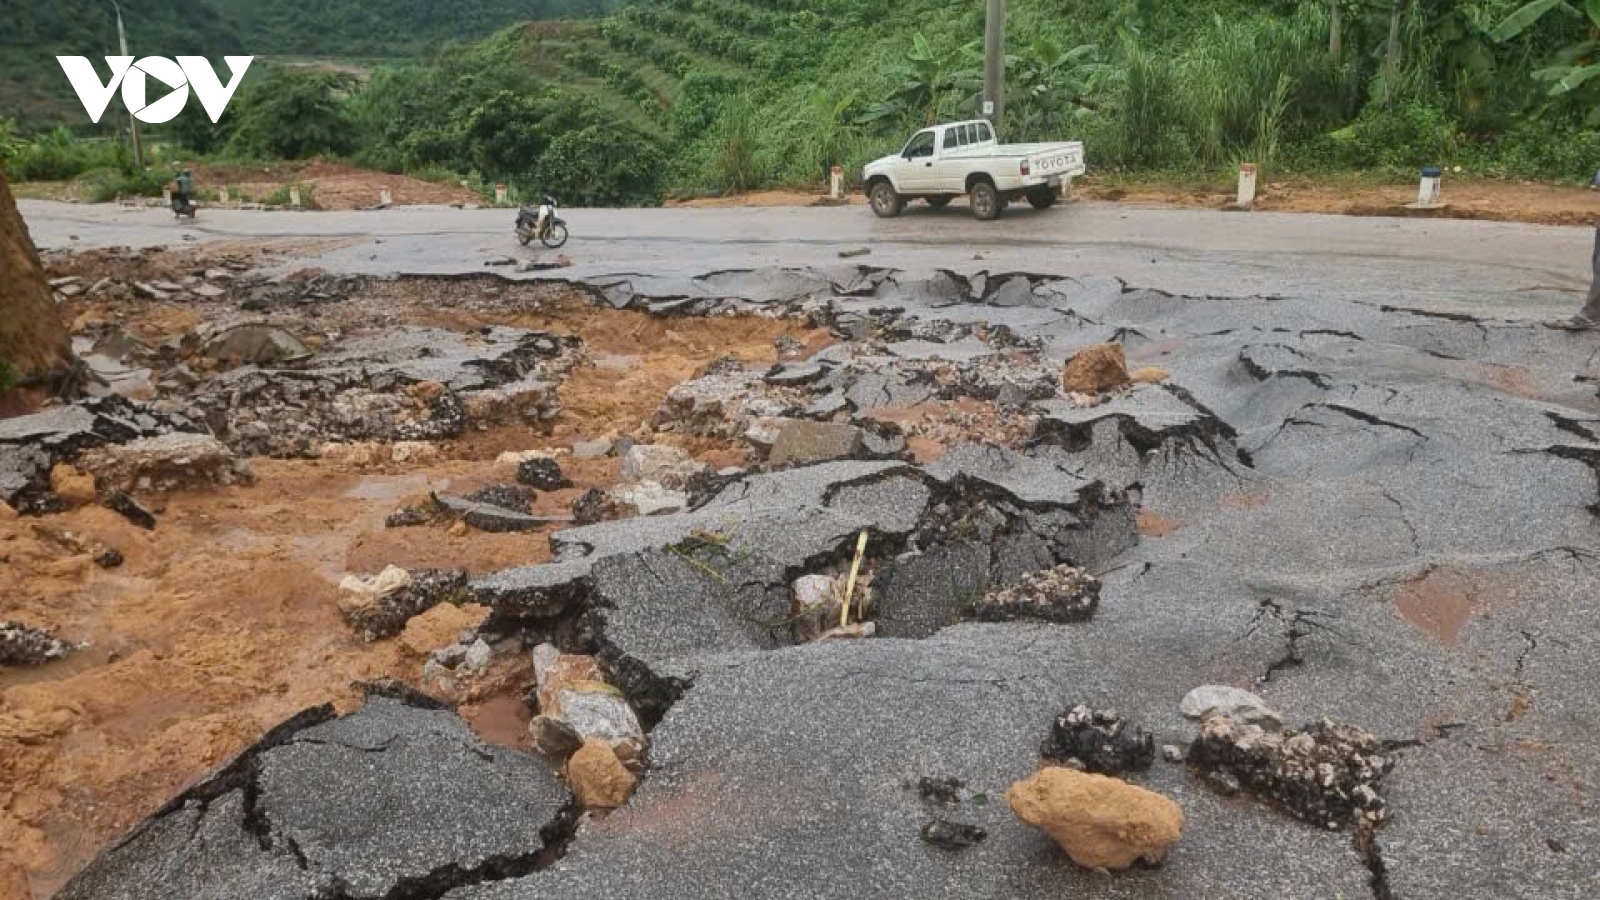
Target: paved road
<point x="1488" y="268"/>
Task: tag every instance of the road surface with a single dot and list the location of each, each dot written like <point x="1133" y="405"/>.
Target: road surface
<point x="1486" y="268"/>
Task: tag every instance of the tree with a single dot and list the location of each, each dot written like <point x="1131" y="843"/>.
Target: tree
<point x="35" y="349"/>
<point x="1049" y="84"/>
<point x="293" y="115"/>
<point x="931" y="77"/>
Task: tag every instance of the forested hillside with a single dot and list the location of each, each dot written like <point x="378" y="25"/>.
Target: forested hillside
<point x="34" y="32"/>
<point x="719" y="95"/>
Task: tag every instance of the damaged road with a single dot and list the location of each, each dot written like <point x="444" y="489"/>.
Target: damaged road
<point x="1271" y="510"/>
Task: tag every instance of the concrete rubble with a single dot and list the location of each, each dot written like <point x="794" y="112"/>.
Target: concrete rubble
<point x="21" y="645"/>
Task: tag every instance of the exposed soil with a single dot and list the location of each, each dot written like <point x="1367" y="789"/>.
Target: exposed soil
<point x="1442" y="601"/>
<point x="333" y="186"/>
<point x="223" y="621"/>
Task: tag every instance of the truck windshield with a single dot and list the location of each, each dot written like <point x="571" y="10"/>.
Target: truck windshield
<point x="921" y="144"/>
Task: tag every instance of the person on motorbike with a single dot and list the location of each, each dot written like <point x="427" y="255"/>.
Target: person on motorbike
<point x="185" y="189"/>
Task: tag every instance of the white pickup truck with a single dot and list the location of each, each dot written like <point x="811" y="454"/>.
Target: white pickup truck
<point x="940" y="163"/>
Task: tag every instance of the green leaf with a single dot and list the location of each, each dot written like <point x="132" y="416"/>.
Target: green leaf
<point x="1593" y="9"/>
<point x="1575" y="79"/>
<point x="1522" y="19"/>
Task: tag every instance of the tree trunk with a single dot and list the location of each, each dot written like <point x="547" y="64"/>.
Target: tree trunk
<point x="1335" y="30"/>
<point x="1393" y="61"/>
<point x="33" y="340"/>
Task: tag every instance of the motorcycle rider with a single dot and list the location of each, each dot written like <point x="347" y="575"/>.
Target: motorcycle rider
<point x="182" y="197"/>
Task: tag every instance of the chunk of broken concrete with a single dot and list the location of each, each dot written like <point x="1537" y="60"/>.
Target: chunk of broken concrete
<point x="492" y="518"/>
<point x="650" y="498"/>
<point x="802" y="441"/>
<point x="814" y="606"/>
<point x="357" y="593"/>
<point x="1060" y="594"/>
<point x="598" y="778"/>
<point x="260" y="345"/>
<point x="1328" y="774"/>
<point x="598" y="712"/>
<point x="553" y="738"/>
<point x="1099" y="741"/>
<point x="1095" y="369"/>
<point x="1101" y="822"/>
<point x="21" y="645"/>
<point x="668" y="466"/>
<point x="168" y="462"/>
<point x="952" y="835"/>
<point x="1223" y="700"/>
<point x="542" y="472"/>
<point x="378" y="607"/>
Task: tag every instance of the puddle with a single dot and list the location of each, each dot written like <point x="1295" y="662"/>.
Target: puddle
<point x="501" y="720"/>
<point x="392" y="488"/>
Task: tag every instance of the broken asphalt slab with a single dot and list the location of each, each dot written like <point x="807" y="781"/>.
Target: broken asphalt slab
<point x="397" y="799"/>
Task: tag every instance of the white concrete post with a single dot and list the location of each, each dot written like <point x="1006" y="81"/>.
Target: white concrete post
<point x="294" y="196"/>
<point x="384" y="197"/>
<point x="1428" y="191"/>
<point x="222" y="194"/>
<point x="836" y="183"/>
<point x="1247" y="186"/>
<point x="166" y="196"/>
<point x="500" y="195"/>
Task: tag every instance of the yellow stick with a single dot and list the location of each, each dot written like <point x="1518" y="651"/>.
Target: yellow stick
<point x="850" y="585"/>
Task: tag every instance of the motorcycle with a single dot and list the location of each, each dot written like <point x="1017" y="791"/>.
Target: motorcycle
<point x="183" y="206"/>
<point x="554" y="231"/>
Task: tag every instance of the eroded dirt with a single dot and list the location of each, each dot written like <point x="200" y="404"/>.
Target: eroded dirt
<point x="222" y="621"/>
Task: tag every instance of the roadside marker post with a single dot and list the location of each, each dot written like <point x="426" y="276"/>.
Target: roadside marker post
<point x="1428" y="190"/>
<point x="500" y="195"/>
<point x="294" y="196"/>
<point x="385" y="198"/>
<point x="836" y="183"/>
<point x="166" y="196"/>
<point x="222" y="194"/>
<point x="1247" y="186"/>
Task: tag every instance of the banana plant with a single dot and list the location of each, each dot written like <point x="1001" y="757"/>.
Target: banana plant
<point x="1574" y="68"/>
<point x="931" y="76"/>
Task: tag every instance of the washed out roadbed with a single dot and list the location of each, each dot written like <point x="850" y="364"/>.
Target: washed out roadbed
<point x="797" y="582"/>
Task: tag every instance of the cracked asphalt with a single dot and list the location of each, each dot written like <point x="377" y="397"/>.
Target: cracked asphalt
<point x="1380" y="481"/>
<point x="1487" y="268"/>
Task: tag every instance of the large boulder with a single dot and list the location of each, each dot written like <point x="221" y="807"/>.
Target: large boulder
<point x="1102" y="822"/>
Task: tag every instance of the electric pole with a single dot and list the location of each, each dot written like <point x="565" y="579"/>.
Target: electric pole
<point x="994" y="62"/>
<point x="133" y="121"/>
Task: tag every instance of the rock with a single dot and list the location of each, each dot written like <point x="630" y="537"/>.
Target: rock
<point x="802" y="441"/>
<point x="108" y="557"/>
<point x="149" y="292"/>
<point x="209" y="291"/>
<point x="439" y="626"/>
<point x="260" y="345"/>
<point x="598" y="712"/>
<point x="591" y="449"/>
<point x="594" y="506"/>
<point x="169" y="462"/>
<point x="128" y="508"/>
<point x="543" y="473"/>
<point x="21" y="645"/>
<point x="952" y="835"/>
<point x="943" y="791"/>
<point x="667" y="466"/>
<point x="1100" y="741"/>
<point x="1149" y="375"/>
<point x="383" y="610"/>
<point x="1061" y="594"/>
<point x="414" y="452"/>
<point x="1102" y="822"/>
<point x="553" y="738"/>
<point x="1327" y="774"/>
<point x="554" y="671"/>
<point x="1220" y="699"/>
<point x="529" y="401"/>
<point x="598" y="778"/>
<point x="478" y="657"/>
<point x="814" y="606"/>
<point x="853" y="631"/>
<point x="1095" y="369"/>
<point x="650" y="498"/>
<point x="1172" y="753"/>
<point x="357" y="593"/>
<point x="72" y="486"/>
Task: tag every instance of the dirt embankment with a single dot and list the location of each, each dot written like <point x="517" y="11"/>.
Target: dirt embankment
<point x="223" y="620"/>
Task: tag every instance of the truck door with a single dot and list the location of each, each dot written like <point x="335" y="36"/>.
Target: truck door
<point x="951" y="165"/>
<point x="919" y="160"/>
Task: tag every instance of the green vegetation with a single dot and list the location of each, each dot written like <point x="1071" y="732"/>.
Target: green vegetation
<point x="691" y="96"/>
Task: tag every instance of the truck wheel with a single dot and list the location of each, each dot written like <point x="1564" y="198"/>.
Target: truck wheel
<point x="1042" y="198"/>
<point x="886" y="201"/>
<point x="939" y="202"/>
<point x="986" y="202"/>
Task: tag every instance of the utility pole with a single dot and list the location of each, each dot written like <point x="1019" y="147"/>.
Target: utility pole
<point x="994" y="62"/>
<point x="133" y="121"/>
